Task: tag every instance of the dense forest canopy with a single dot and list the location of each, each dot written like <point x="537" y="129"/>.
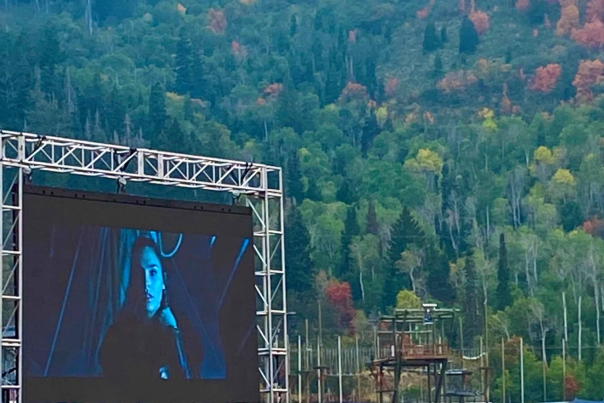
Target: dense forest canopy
<point x="440" y="150"/>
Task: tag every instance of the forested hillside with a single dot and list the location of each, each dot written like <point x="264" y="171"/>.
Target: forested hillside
<point x="453" y="149"/>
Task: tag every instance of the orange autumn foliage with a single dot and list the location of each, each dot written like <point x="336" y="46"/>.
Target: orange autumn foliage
<point x="352" y="92"/>
<point x="594" y="10"/>
<point x="506" y="102"/>
<point x="457" y="80"/>
<point x="569" y="17"/>
<point x="523" y="5"/>
<point x="218" y="22"/>
<point x="591" y="72"/>
<point x="546" y="78"/>
<point x="591" y="35"/>
<point x="392" y="86"/>
<point x="425" y="12"/>
<point x="352" y="36"/>
<point x="481" y="21"/>
<point x="273" y="89"/>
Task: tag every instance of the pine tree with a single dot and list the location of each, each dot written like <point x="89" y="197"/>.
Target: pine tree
<point x="439" y="272"/>
<point x="504" y="297"/>
<point x="372" y="222"/>
<point x="293" y="180"/>
<point x="299" y="268"/>
<point x="473" y="321"/>
<point x="173" y="139"/>
<point x="468" y="37"/>
<point x="345" y="192"/>
<point x="351" y="229"/>
<point x="184" y="63"/>
<point x="406" y="231"/>
<point x="444" y="38"/>
<point x="370" y="132"/>
<point x="157" y="111"/>
<point x="50" y="55"/>
<point x="431" y="40"/>
<point x="438" y="66"/>
<point x="293" y="25"/>
<point x="313" y="192"/>
<point x="199" y="85"/>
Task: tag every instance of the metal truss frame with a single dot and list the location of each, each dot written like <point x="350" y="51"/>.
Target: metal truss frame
<point x="259" y="186"/>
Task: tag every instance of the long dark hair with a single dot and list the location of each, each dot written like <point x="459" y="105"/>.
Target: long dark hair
<point x="135" y="296"/>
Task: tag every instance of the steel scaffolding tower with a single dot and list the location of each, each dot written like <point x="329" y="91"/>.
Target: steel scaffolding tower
<point x="260" y="186"/>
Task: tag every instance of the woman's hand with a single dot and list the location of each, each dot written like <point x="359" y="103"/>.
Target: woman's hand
<point x="168" y="319"/>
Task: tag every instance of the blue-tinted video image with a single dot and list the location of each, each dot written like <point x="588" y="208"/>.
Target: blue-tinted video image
<point x="141" y="304"/>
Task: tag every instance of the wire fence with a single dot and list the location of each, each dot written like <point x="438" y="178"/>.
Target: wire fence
<point x="527" y="378"/>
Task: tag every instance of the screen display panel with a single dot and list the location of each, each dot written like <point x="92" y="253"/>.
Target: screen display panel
<point x="135" y="300"/>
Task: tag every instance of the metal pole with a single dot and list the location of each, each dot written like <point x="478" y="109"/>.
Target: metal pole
<point x="580" y="328"/>
<point x="358" y="370"/>
<point x="565" y="316"/>
<point x="563" y="370"/>
<point x="340" y="368"/>
<point x="308" y="348"/>
<point x="503" y="369"/>
<point x="487" y="369"/>
<point x="319" y="380"/>
<point x="299" y="369"/>
<point x="482" y="386"/>
<point x="521" y="370"/>
<point x="461" y="341"/>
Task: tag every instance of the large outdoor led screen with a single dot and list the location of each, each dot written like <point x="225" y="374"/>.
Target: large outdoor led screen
<point x="133" y="300"/>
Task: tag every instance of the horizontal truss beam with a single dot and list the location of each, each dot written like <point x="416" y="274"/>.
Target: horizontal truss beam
<point x="137" y="164"/>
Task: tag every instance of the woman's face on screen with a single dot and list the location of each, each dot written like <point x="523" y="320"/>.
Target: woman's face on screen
<point x="150" y="263"/>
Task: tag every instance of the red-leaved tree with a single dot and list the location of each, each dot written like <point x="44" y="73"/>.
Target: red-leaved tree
<point x="218" y="21"/>
<point x="481" y="21"/>
<point x="523" y="5"/>
<point x="591" y="72"/>
<point x="594" y="11"/>
<point x="339" y="294"/>
<point x="546" y="78"/>
<point x="591" y="35"/>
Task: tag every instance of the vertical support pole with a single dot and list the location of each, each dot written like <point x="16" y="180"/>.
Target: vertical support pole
<point x="299" y="369"/>
<point x="521" y="370"/>
<point x="482" y="370"/>
<point x="429" y="384"/>
<point x="565" y="315"/>
<point x="563" y="369"/>
<point x="319" y="374"/>
<point x="283" y="281"/>
<point x="18" y="213"/>
<point x="461" y="341"/>
<point x="580" y="329"/>
<point x="358" y="371"/>
<point x="2" y="369"/>
<point x="340" y="369"/>
<point x="503" y="370"/>
<point x="267" y="272"/>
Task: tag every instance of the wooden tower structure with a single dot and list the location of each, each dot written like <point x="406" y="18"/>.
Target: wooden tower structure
<point x="412" y="340"/>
